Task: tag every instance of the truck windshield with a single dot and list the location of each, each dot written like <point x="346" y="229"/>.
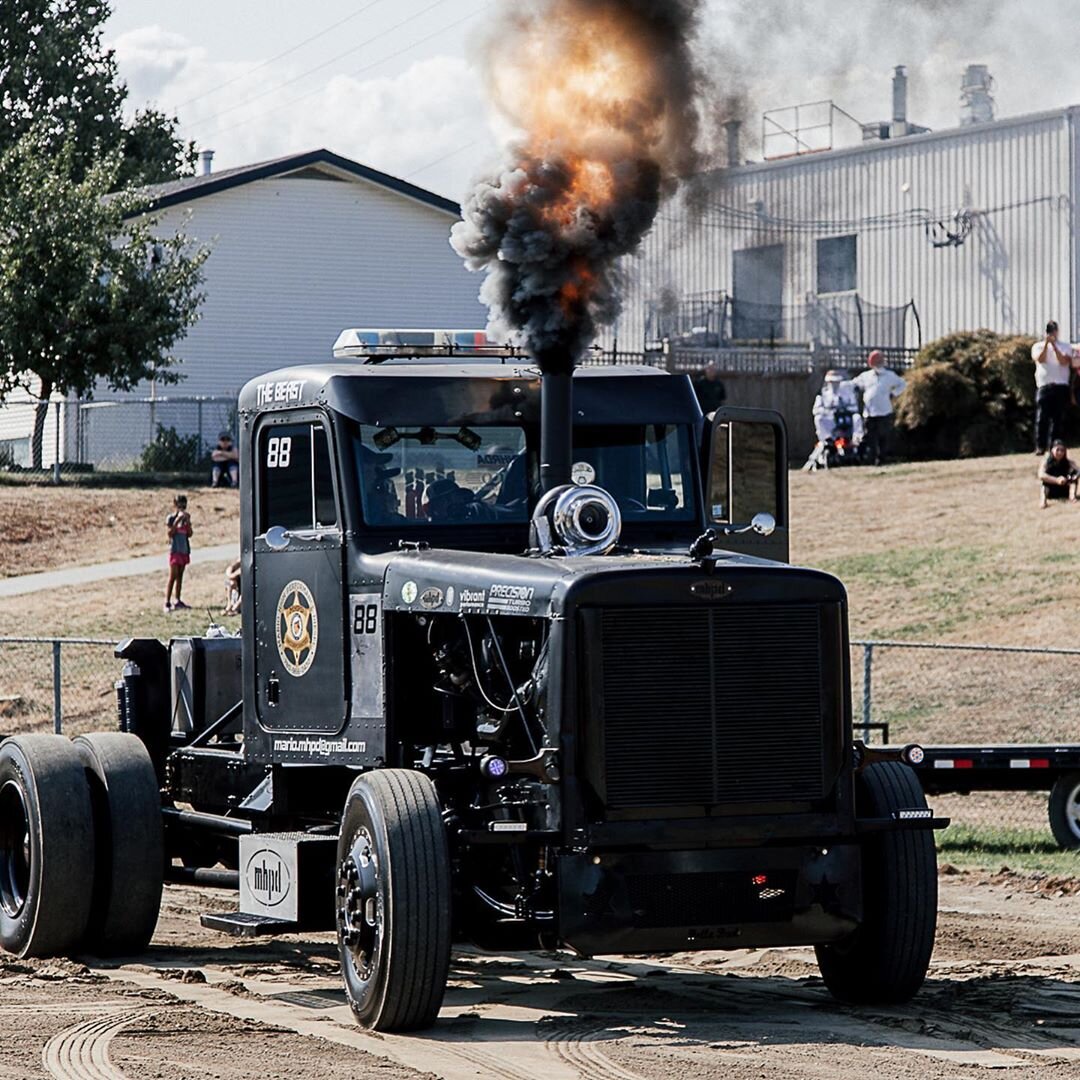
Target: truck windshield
<point x="489" y="475"/>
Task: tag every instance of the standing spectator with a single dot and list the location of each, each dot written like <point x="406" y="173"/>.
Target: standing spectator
<point x="1058" y="475"/>
<point x="879" y="387"/>
<point x="709" y="388"/>
<point x="1053" y="370"/>
<point x="226" y="469"/>
<point x="179" y="525"/>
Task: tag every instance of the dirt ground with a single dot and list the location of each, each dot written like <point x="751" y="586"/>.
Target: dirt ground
<point x="954" y="551"/>
<point x="1002" y="996"/>
<point x="46" y="528"/>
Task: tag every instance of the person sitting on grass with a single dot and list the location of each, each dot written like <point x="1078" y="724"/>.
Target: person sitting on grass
<point x="232" y="588"/>
<point x="1058" y="475"/>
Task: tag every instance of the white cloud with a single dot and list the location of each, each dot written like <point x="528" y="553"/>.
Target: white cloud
<point x="430" y="114"/>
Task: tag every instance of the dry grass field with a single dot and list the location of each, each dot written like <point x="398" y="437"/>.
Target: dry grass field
<point x="944" y="551"/>
<point x="45" y="528"/>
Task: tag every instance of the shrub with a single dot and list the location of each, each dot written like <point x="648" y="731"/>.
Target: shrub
<point x="969" y="395"/>
<point x="173" y="452"/>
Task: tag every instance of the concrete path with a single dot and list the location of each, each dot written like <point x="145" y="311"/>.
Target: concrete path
<point x="83" y="575"/>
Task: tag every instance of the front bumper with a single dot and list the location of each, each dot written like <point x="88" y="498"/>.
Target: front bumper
<point x="672" y="901"/>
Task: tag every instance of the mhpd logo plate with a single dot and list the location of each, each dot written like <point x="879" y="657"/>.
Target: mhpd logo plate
<point x="297" y="628"/>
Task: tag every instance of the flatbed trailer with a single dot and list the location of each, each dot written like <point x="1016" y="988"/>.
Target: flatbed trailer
<point x="1009" y="767"/>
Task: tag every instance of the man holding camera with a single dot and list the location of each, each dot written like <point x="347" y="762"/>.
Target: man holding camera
<point x="1053" y="370"/>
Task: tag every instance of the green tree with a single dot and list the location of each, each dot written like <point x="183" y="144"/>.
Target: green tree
<point x="57" y="78"/>
<point x="153" y="151"/>
<point x="88" y="292"/>
<point x="969" y="394"/>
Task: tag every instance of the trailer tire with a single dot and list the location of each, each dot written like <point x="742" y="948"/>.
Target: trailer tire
<point x="393" y="900"/>
<point x="885" y="961"/>
<point x="46" y="846"/>
<point x="129" y="841"/>
<point x="1064" y="810"/>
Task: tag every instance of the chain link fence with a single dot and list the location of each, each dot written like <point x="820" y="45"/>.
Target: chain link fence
<point x="158" y="434"/>
<point x="902" y="692"/>
<point x="57" y="684"/>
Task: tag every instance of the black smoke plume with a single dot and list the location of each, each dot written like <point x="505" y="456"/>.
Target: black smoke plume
<point x="605" y="95"/>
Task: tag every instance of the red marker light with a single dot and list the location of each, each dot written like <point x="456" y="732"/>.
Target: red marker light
<point x="1040" y="763"/>
<point x="964" y="763"/>
<point x="760" y="879"/>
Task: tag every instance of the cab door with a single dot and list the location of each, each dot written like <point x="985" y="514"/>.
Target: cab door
<point x="300" y="670"/>
<point x="747" y="476"/>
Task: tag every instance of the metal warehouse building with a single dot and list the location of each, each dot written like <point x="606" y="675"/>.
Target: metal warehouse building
<point x="903" y="237"/>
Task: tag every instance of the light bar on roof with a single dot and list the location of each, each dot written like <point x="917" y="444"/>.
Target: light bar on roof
<point x="361" y="343"/>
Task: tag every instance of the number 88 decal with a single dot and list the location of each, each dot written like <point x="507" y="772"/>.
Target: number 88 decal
<point x="279" y="453"/>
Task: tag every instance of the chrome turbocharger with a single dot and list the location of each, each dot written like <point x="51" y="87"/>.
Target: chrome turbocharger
<point x="576" y="520"/>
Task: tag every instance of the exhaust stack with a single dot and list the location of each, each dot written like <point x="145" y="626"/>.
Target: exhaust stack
<point x="556" y="428"/>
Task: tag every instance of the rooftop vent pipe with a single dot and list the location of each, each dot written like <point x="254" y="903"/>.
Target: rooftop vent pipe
<point x="899" y="127"/>
<point x="734" y="130"/>
<point x="976" y="96"/>
<point x="206" y="162"/>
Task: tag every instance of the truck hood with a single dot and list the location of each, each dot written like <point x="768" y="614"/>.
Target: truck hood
<point x="470" y="583"/>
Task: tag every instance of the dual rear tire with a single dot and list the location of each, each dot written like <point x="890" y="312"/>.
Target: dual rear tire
<point x="81" y="848"/>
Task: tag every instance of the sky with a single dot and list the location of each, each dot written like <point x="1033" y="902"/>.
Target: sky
<point x="396" y="84"/>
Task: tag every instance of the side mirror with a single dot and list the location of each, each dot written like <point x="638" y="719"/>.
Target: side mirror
<point x="277" y="538"/>
<point x="763" y="524"/>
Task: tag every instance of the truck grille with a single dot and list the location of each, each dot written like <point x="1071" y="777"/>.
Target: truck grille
<point x="711" y="706"/>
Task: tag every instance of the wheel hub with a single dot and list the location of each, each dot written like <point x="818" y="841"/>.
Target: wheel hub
<point x="1072" y="811"/>
<point x="360" y="915"/>
<point x="15" y="850"/>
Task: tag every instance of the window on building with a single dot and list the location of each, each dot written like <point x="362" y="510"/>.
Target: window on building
<point x="837" y="264"/>
<point x="298" y="486"/>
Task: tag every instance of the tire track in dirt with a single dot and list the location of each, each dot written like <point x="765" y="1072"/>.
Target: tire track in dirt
<point x="81" y="1052"/>
<point x="576" y="1046"/>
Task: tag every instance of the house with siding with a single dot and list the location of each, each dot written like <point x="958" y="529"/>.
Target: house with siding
<point x="301" y="247"/>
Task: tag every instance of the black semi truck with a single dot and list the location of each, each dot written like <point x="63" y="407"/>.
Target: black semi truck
<point x="522" y="664"/>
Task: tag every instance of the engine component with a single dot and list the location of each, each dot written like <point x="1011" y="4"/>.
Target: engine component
<point x="577" y="520"/>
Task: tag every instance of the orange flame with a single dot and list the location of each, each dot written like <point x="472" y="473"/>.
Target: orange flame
<point x="576" y="289"/>
<point x="591" y="189"/>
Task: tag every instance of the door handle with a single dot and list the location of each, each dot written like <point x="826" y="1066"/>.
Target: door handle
<point x="273" y="691"/>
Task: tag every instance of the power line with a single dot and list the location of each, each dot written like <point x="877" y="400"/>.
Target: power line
<point x="317" y="67"/>
<point x="358" y="71"/>
<point x="279" y="56"/>
<point x="440" y="160"/>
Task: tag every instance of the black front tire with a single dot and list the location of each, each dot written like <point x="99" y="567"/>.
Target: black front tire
<point x="1064" y="811"/>
<point x="885" y="961"/>
<point x="129" y="841"/>
<point x="46" y="846"/>
<point x="393" y="901"/>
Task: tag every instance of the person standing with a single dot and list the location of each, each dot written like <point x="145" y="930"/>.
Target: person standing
<point x="1053" y="370"/>
<point x="709" y="387"/>
<point x="178" y="524"/>
<point x="879" y="388"/>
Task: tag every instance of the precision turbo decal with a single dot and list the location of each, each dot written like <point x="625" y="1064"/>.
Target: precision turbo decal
<point x="297" y="628"/>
